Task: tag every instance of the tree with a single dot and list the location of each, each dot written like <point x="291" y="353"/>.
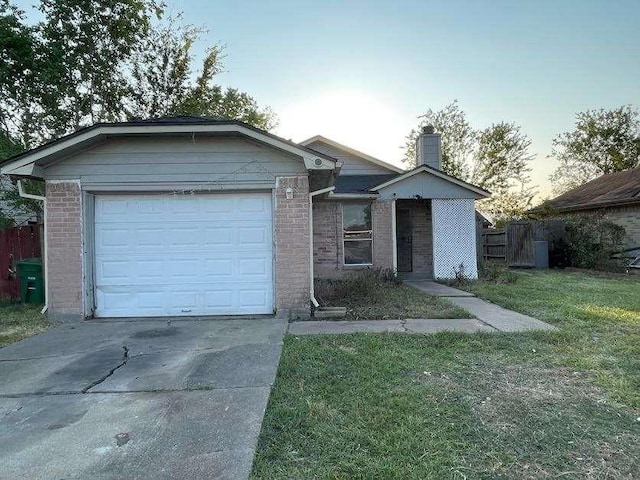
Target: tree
<point x="162" y="72"/>
<point x="18" y="47"/>
<point x="501" y="165"/>
<point x="602" y="141"/>
<point x="110" y="60"/>
<point x="458" y="139"/>
<point x="495" y="158"/>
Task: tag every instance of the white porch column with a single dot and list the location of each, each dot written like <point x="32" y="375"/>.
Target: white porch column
<point x="454" y="237"/>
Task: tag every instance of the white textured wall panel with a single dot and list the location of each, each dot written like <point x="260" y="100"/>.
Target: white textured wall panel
<point x="454" y="237"/>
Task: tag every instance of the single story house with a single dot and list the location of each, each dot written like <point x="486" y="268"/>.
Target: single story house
<point x="193" y="216"/>
<point x="616" y="196"/>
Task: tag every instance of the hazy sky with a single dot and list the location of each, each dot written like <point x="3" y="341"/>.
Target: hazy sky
<point x="361" y="72"/>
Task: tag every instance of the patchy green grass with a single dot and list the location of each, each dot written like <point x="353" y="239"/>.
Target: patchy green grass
<point x="600" y="315"/>
<point x="20" y="321"/>
<point x="560" y="404"/>
<point x="385" y="301"/>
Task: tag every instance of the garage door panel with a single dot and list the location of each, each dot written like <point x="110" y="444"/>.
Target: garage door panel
<point x="147" y="237"/>
<point x="218" y="235"/>
<point x="252" y="298"/>
<point x="172" y="255"/>
<point x="219" y="299"/>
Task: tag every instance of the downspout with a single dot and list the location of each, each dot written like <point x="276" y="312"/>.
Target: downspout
<point x="312" y="292"/>
<point x="394" y="238"/>
<point x="42" y="199"/>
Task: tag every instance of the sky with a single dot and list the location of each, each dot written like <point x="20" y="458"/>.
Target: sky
<point x="362" y="72"/>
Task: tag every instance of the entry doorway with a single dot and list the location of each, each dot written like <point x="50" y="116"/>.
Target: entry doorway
<point x="404" y="240"/>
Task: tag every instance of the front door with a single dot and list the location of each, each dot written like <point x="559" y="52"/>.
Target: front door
<point x="404" y="240"/>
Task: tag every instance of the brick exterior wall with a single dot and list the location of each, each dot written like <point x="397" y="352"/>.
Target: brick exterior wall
<point x="328" y="260"/>
<point x="327" y="236"/>
<point x="382" y="234"/>
<point x="629" y="218"/>
<point x="64" y="250"/>
<point x="291" y="228"/>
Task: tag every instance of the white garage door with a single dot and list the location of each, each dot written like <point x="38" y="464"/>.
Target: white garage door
<point x="164" y="255"/>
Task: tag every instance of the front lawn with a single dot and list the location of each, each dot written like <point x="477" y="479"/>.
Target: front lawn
<point x="561" y="404"/>
<point x="383" y="300"/>
<point x="20" y="321"/>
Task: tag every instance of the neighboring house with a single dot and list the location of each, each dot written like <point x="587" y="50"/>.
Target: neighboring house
<point x="193" y="216"/>
<point x="616" y="196"/>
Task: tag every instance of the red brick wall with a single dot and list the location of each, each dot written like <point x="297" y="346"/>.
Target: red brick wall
<point x="292" y="245"/>
<point x="64" y="249"/>
<point x="327" y="238"/>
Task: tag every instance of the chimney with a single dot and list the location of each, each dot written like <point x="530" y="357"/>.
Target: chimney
<point x="428" y="150"/>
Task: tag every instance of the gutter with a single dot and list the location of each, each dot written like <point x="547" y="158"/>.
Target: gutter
<point x="353" y="196"/>
<point x="42" y="199"/>
<point x="312" y="292"/>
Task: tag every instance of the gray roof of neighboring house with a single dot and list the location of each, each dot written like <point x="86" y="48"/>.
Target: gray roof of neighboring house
<point x="614" y="189"/>
<point x="361" y="183"/>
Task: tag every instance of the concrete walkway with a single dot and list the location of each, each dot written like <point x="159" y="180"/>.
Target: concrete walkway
<point x="498" y="317"/>
<point x="489" y="318"/>
<point x="322" y="327"/>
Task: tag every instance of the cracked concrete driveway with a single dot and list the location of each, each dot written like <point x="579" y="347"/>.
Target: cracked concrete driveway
<point x="137" y="399"/>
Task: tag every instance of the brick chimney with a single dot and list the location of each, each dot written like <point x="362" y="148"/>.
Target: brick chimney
<point x="428" y="149"/>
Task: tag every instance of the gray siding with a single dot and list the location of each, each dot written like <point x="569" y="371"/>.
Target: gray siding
<point x="204" y="162"/>
<point x="352" y="165"/>
<point x="427" y="186"/>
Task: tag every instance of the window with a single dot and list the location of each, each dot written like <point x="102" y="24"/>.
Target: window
<point x="357" y="234"/>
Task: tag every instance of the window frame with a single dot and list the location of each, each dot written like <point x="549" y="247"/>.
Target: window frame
<point x="370" y="239"/>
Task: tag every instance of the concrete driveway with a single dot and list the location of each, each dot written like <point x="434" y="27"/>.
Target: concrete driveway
<point x="137" y="399"/>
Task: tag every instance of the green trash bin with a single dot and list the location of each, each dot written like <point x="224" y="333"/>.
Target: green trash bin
<point x="31" y="283"/>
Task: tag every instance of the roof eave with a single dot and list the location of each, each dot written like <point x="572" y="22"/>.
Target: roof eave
<point x="585" y="207"/>
<point x="352" y="151"/>
<point x="18" y="165"/>
<point x="482" y="193"/>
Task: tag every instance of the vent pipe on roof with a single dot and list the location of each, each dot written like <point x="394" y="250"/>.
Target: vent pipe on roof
<point x="428" y="148"/>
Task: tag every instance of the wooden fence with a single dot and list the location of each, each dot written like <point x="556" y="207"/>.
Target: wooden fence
<point x="494" y="244"/>
<point x="16" y="243"/>
<point x="516" y="244"/>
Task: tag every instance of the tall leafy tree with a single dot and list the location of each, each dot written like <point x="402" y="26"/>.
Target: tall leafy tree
<point x="602" y="141"/>
<point x="496" y="158"/>
<point x="88" y="44"/>
<point x="458" y="139"/>
<point x="163" y="74"/>
<point x="89" y="61"/>
<point x="19" y="50"/>
<point x="501" y="164"/>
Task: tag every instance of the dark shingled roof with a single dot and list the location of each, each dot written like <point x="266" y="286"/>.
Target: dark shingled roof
<point x="614" y="189"/>
<point x="361" y="183"/>
<point x="181" y="120"/>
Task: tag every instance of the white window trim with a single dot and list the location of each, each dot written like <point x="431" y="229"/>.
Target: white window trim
<point x="351" y="265"/>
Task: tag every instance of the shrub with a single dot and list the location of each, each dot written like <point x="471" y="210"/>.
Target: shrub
<point x="358" y="284"/>
<point x="591" y="240"/>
